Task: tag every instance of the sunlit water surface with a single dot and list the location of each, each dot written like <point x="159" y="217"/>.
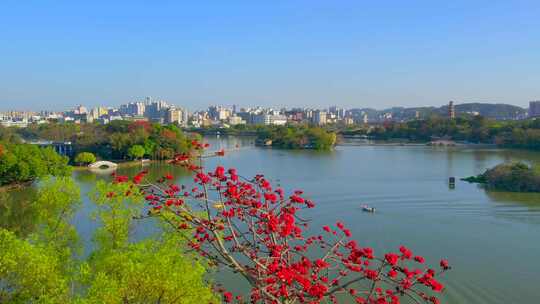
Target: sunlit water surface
<point x="492" y="239"/>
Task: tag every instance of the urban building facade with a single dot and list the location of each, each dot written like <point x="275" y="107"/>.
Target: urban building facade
<point x="534" y="108"/>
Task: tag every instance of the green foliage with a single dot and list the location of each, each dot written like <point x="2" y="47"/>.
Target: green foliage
<point x="85" y="158"/>
<point x="51" y="131"/>
<point x="29" y="273"/>
<point x="56" y="202"/>
<point x="151" y="271"/>
<point x="114" y="140"/>
<point x="285" y="137"/>
<point x="36" y="210"/>
<point x="136" y="151"/>
<point x="9" y="135"/>
<point x="476" y="129"/>
<point x="44" y="269"/>
<point x="320" y="139"/>
<point x="473" y="129"/>
<point x="115" y="211"/>
<point x="297" y="137"/>
<point x="51" y="244"/>
<point x="23" y="163"/>
<point x="17" y="211"/>
<point x="514" y="176"/>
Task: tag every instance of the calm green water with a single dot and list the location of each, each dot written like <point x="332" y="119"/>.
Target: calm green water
<point x="490" y="238"/>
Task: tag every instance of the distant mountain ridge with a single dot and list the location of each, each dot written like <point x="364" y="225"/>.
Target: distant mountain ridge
<point x="499" y="111"/>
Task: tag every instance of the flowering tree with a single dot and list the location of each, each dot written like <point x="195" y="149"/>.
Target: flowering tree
<point x="257" y="231"/>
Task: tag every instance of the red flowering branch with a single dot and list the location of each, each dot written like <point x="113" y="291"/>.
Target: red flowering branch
<point x="255" y="229"/>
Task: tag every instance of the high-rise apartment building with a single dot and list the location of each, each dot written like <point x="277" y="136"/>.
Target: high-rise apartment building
<point x="219" y="113"/>
<point x="175" y="115"/>
<point x="534" y="108"/>
<point x="319" y="117"/>
<point x="133" y="109"/>
<point x="156" y="110"/>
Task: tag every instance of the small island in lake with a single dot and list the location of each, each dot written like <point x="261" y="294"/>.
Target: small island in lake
<point x="289" y="136"/>
<point x="296" y="137"/>
<point x="513" y="176"/>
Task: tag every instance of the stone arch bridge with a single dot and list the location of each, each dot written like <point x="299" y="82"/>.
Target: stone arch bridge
<point x="103" y="164"/>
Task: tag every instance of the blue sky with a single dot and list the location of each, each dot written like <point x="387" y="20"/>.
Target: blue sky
<point x="56" y="54"/>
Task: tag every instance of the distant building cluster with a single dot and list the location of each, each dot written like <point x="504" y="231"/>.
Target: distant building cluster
<point x="160" y="111"/>
<point x="147" y="110"/>
<point x="534" y="108"/>
<point x="225" y="116"/>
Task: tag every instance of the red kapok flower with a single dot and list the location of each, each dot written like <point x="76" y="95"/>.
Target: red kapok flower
<point x="444" y="264"/>
<point x="227" y="297"/>
<point x="436" y="285"/>
<point x="321" y="264"/>
<point x="371" y="274"/>
<point x="406" y="252"/>
<point x="391" y="258"/>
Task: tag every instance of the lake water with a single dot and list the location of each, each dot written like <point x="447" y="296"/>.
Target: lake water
<point x="492" y="239"/>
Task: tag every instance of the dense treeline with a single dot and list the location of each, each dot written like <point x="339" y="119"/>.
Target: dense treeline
<point x="298" y="137"/>
<point x="113" y="141"/>
<point x="515" y="177"/>
<point x="21" y="163"/>
<point x="475" y="129"/>
<point x="286" y="137"/>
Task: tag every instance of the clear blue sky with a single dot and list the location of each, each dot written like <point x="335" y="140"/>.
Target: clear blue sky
<point x="56" y="54"/>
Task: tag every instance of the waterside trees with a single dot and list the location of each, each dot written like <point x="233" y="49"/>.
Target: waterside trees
<point x="47" y="265"/>
<point x="20" y="163"/>
<point x="512" y="176"/>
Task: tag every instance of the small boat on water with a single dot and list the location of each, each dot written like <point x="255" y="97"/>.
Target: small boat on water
<point x="367" y="208"/>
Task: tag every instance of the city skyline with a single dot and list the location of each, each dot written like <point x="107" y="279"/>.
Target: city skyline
<point x="162" y="112"/>
<point x="302" y="53"/>
<point x="196" y="108"/>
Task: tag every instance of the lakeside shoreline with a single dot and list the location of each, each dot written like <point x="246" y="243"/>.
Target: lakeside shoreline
<point x="420" y="144"/>
<point x="362" y="141"/>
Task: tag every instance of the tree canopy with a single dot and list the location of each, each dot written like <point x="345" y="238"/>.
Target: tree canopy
<point x="298" y="137"/>
<point x="136" y="151"/>
<point x="25" y="162"/>
<point x="475" y="129"/>
<point x="112" y="141"/>
<point x="29" y="273"/>
<point x="46" y="266"/>
<point x="511" y="176"/>
<point x="85" y="158"/>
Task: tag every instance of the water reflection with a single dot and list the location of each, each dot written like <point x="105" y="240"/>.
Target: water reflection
<point x="529" y="200"/>
<point x="85" y="176"/>
<point x="99" y="171"/>
<point x="408" y="185"/>
<point x="18" y="212"/>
